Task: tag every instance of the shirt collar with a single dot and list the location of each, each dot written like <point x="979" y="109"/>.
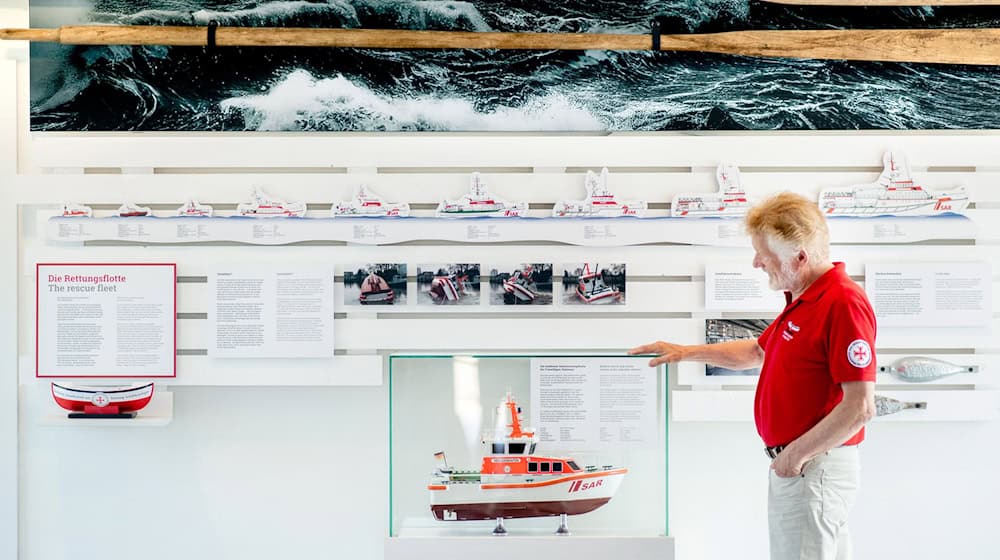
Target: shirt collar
<point x="820" y="284"/>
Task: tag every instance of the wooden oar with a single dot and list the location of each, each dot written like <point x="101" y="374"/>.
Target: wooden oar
<point x="945" y="46"/>
<point x="866" y="3"/>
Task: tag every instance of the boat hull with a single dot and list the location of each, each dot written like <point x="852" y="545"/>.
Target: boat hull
<point x="518" y="292"/>
<point x="598" y="299"/>
<point x="386" y="296"/>
<point x="78" y="399"/>
<point x="514" y="510"/>
<point x="572" y="494"/>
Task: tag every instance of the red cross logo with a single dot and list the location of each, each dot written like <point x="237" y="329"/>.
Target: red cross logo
<point x="859" y="353"/>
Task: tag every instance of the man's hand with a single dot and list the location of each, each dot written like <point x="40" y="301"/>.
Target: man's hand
<point x="667" y="352"/>
<point x="788" y="465"/>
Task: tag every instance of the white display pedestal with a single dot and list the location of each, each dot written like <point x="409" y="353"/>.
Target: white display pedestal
<point x="578" y="547"/>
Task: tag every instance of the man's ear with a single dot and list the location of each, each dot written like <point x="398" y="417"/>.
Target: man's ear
<point x="802" y="257"/>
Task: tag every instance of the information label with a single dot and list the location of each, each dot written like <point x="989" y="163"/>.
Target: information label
<point x="739" y="287"/>
<point x="942" y="294"/>
<point x="592" y="403"/>
<point x="105" y="320"/>
<point x="262" y="313"/>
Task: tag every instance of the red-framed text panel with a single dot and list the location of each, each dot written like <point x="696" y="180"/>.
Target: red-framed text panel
<point x="105" y="320"/>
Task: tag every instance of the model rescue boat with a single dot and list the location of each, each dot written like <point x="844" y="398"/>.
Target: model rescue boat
<point x="480" y="202"/>
<point x="102" y="400"/>
<point x="895" y="193"/>
<point x="514" y="481"/>
<point x="599" y="203"/>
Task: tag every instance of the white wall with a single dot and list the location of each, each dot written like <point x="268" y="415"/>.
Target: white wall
<point x="251" y="469"/>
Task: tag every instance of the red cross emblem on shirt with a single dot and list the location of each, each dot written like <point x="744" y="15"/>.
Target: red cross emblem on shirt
<point x="861" y="354"/>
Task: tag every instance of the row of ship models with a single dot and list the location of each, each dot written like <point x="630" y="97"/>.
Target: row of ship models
<point x="514" y="480"/>
<point x="894" y="193"/>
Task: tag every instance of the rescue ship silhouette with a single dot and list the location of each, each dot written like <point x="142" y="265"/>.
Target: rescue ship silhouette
<point x="515" y="482"/>
<point x="894" y="193"/>
<point x="731" y="200"/>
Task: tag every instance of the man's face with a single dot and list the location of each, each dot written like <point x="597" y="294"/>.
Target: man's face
<point x="782" y="275"/>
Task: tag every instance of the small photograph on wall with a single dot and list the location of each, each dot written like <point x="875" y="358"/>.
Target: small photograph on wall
<point x="521" y="284"/>
<point x="724" y="330"/>
<point x="375" y="284"/>
<point x="448" y="284"/>
<point x="593" y="284"/>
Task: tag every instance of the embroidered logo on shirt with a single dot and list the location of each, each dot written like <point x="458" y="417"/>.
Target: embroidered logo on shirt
<point x="790" y="328"/>
<point x="859" y="353"/>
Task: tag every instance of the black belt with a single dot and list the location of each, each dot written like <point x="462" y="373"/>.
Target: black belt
<point x="772" y="452"/>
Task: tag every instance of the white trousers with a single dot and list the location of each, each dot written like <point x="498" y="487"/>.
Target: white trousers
<point x="807" y="514"/>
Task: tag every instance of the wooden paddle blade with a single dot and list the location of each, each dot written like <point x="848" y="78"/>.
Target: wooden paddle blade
<point x="875" y="3"/>
<point x="938" y="46"/>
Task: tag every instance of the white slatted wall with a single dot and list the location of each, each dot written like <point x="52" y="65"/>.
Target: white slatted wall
<point x="666" y="281"/>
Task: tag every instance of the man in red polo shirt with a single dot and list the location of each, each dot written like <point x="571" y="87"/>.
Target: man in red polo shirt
<point x="817" y="381"/>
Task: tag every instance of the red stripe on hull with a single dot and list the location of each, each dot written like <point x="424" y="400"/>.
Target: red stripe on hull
<point x="515" y="510"/>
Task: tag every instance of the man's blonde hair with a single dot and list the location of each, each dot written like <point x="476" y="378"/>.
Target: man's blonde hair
<point x="790" y="222"/>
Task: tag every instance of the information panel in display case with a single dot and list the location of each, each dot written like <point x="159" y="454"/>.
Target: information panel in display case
<point x="527" y="446"/>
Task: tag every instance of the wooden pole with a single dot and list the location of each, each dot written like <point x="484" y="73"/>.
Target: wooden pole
<point x="943" y="46"/>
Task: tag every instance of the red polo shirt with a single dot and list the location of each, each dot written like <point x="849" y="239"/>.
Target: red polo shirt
<point x="822" y="339"/>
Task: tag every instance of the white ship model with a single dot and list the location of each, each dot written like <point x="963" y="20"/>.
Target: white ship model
<point x="479" y="202"/>
<point x="192" y="209"/>
<point x="895" y="194"/>
<point x="730" y="201"/>
<point x="592" y="289"/>
<point x="600" y="202"/>
<point x="367" y="203"/>
<point x="129" y="210"/>
<point x="514" y="482"/>
<point x="72" y="210"/>
<point x="265" y="206"/>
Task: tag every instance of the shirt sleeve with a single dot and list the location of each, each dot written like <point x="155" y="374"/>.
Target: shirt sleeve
<point x="762" y="339"/>
<point x="851" y="343"/>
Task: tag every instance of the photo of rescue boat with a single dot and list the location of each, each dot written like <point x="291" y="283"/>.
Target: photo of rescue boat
<point x="366" y="203"/>
<point x="590" y="284"/>
<point x="730" y="201"/>
<point x="375" y="284"/>
<point x="521" y="284"/>
<point x="448" y="284"/>
<point x="895" y="193"/>
<point x="479" y="202"/>
<point x="515" y="481"/>
<point x="600" y="202"/>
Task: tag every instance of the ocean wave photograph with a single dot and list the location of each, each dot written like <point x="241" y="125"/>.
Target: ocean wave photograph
<point x="169" y="88"/>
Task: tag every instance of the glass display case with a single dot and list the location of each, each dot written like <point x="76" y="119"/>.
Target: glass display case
<point x="527" y="445"/>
